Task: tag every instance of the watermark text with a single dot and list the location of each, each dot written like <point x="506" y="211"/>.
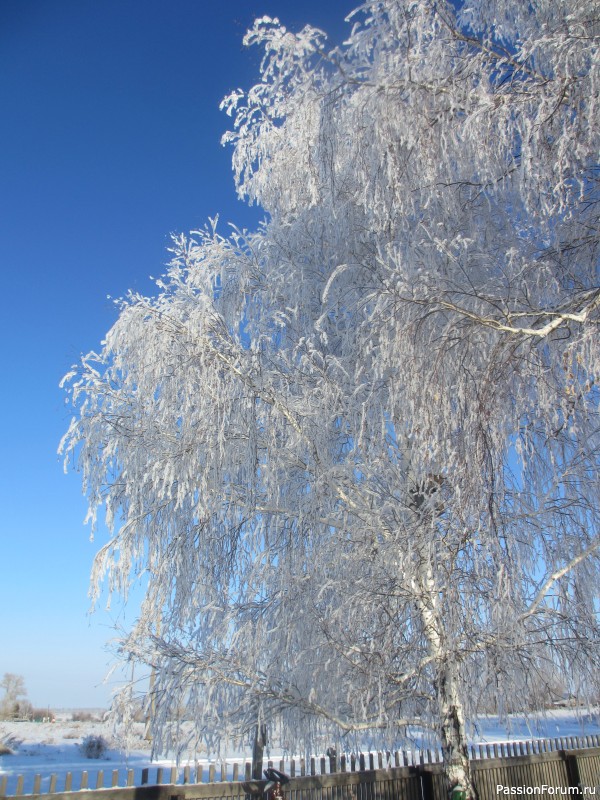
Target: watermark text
<point x="575" y="791"/>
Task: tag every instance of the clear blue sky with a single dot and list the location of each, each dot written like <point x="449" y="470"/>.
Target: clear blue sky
<point x="109" y="142"/>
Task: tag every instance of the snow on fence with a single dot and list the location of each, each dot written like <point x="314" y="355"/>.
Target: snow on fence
<point x="571" y="761"/>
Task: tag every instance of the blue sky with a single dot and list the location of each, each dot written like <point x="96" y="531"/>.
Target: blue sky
<point x="109" y="142"/>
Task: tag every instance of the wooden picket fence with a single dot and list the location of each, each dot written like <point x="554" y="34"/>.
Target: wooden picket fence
<point x="567" y="762"/>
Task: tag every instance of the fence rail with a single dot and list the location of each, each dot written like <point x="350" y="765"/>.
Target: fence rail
<point x="567" y="762"/>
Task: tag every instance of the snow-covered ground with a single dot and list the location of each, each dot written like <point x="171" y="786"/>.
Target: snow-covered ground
<point x="54" y="747"/>
<point x="49" y="748"/>
<point x="550" y="725"/>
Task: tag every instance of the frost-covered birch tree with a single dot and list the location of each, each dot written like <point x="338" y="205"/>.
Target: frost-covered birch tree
<point x="356" y="452"/>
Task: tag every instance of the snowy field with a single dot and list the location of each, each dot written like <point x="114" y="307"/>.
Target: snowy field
<point x="49" y="748"/>
<point x="54" y="748"/>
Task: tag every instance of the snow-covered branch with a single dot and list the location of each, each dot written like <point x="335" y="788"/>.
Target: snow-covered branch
<point x="556" y="576"/>
<point x="538" y="329"/>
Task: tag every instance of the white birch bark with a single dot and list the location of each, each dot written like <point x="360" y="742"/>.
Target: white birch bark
<point x="451" y="716"/>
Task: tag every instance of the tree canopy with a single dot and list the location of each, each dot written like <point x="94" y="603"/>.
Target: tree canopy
<point x="356" y="450"/>
<point x="14" y="703"/>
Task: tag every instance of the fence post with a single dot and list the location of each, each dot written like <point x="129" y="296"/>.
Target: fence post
<point x="572" y="769"/>
<point x="332" y="753"/>
<point x="426" y="778"/>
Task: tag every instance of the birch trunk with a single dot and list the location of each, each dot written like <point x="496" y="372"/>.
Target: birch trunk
<point x="258" y="747"/>
<point x="452" y="728"/>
